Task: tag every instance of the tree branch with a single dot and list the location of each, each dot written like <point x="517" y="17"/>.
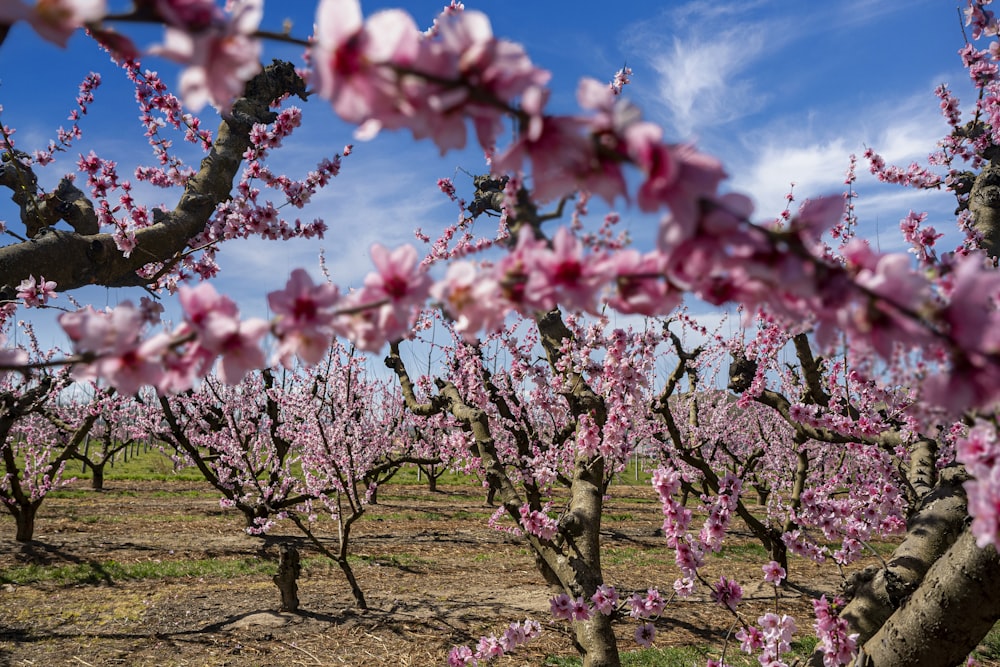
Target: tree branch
<point x="73" y="260"/>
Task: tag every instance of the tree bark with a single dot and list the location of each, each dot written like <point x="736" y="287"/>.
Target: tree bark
<point x="955" y="606"/>
<point x="24" y="519"/>
<point x="289" y="569"/>
<point x="97" y="476"/>
<point x="595" y="640"/>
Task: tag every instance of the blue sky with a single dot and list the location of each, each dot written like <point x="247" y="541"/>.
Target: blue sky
<point x="782" y="91"/>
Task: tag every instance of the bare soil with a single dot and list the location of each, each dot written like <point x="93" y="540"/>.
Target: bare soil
<point x="432" y="570"/>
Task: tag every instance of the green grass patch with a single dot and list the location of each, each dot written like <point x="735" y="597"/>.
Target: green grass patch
<point x="635" y="556"/>
<point x="683" y="656"/>
<point x="110" y="571"/>
<point x="686" y="656"/>
<point x="151" y="465"/>
<point x="989" y="648"/>
<point x="751" y="551"/>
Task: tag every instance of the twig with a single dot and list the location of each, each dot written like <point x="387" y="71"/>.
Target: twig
<point x="299" y="648"/>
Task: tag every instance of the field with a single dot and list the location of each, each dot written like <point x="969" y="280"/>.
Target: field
<point x="154" y="572"/>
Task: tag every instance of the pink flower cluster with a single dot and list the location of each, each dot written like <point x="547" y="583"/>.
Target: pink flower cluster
<point x="979" y="450"/>
<point x="727" y="593"/>
<point x="491" y="646"/>
<point x="772" y="638"/>
<point x="837" y="646"/>
<point x="539" y="524"/>
<point x="36" y="293"/>
<point x="111" y="339"/>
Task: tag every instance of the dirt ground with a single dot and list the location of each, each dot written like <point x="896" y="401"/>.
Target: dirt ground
<point x="433" y="572"/>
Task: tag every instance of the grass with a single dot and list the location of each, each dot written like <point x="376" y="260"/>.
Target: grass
<point x="686" y="656"/>
<point x="110" y="571"/>
<point x="151" y="465"/>
<point x="752" y="551"/>
<point x="106" y="572"/>
<point x="636" y="556"/>
<point x="989" y="648"/>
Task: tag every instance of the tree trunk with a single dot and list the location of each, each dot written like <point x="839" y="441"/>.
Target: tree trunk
<point x="359" y="596"/>
<point x="595" y="640"/>
<point x="97" y="479"/>
<point x="432" y="483"/>
<point x="24" y="519"/>
<point x="778" y="552"/>
<point x="955" y="606"/>
<point x="289" y="569"/>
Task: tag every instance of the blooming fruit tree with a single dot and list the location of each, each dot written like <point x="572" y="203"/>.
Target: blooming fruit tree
<point x="918" y="334"/>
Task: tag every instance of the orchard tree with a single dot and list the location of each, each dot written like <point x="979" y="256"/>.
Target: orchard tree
<point x="37" y="439"/>
<point x="118" y="428"/>
<point x="351" y="433"/>
<point x="925" y="327"/>
<point x="550" y="438"/>
<point x="234" y="436"/>
<point x="294" y="445"/>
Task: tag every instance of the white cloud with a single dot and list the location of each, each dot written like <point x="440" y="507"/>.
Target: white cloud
<point x="702" y="70"/>
<point x="815" y="157"/>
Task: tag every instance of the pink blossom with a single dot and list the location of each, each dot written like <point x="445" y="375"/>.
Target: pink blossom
<point x="773" y="573"/>
<point x="605" y="599"/>
<point x="214" y="320"/>
<point x="538" y="523"/>
<point x="305" y="314"/>
<point x="581" y="610"/>
<point x="351" y="57"/>
<point x="400" y="278"/>
<point x="645" y="634"/>
<point x="36" y="293"/>
<point x="837" y="646"/>
<point x="191" y="15"/>
<point x="751" y="639"/>
<point x="561" y="155"/>
<point x="640" y="285"/>
<point x="473" y="301"/>
<point x="563" y="275"/>
<point x="464" y="49"/>
<point x="13" y="356"/>
<point x="130" y="367"/>
<point x="489" y="648"/>
<point x="202" y="303"/>
<point x="461" y="656"/>
<point x="55" y="20"/>
<point x="727" y="593"/>
<point x="219" y="59"/>
<point x="387" y="305"/>
<point x="561" y="607"/>
<point x="240" y="349"/>
<point x="684" y="586"/>
<point x="113" y="338"/>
